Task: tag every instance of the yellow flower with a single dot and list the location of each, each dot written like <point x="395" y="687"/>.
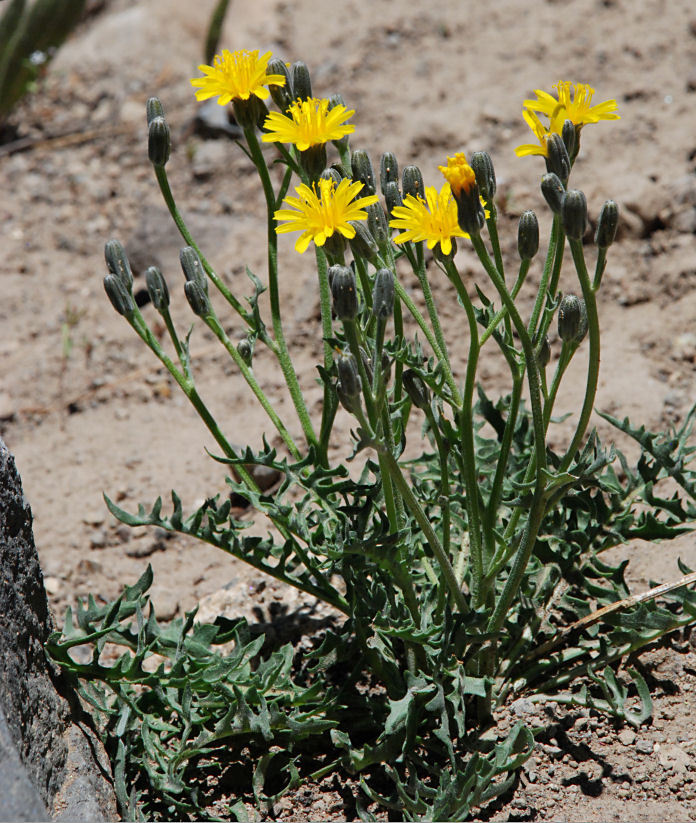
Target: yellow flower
<point x="576" y="106"/>
<point x="310" y="123"/>
<point x="322" y="210"/>
<point x="459" y="174"/>
<point x="236" y="76"/>
<point x="542" y="135"/>
<point x="433" y="219"/>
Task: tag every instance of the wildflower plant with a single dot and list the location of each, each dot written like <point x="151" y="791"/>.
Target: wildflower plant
<point x="462" y="554"/>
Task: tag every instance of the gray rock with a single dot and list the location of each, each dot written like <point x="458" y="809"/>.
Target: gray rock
<point x="48" y="763"/>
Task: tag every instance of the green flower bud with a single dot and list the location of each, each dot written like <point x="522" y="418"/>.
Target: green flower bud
<point x="120" y="296"/>
<point x="574" y="214"/>
<point x="245" y="350"/>
<point x="543" y="352"/>
<point x="482" y="165"/>
<point x="392" y="197"/>
<point x="153" y="108"/>
<point x="572" y="319"/>
<point x="157" y="288"/>
<point x="198" y="298"/>
<point x="313" y="160"/>
<point x="281" y="95"/>
<point x="344" y="292"/>
<point x="301" y="84"/>
<point x="338" y="168"/>
<point x="159" y="142"/>
<point x="607" y="224"/>
<point x="377" y="224"/>
<point x="412" y="182"/>
<point x="348" y="378"/>
<point x="331" y="174"/>
<point x="553" y="191"/>
<point x="383" y="293"/>
<point x="367" y="364"/>
<point x="193" y="268"/>
<point x="470" y="214"/>
<point x="117" y="263"/>
<point x="557" y="160"/>
<point x="528" y="235"/>
<point x="388" y="170"/>
<point x="415" y="388"/>
<point x="569" y="137"/>
<point x="363" y="244"/>
<point x="362" y="171"/>
<point x="251" y="113"/>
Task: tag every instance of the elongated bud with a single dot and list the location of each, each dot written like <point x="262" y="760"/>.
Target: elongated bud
<point x="331" y="174"/>
<point x="482" y="165"/>
<point x="157" y="288"/>
<point x="470" y="214"/>
<point x="543" y="352"/>
<point x="383" y="293"/>
<point x="159" y="142"/>
<point x="363" y="243"/>
<point x="281" y="95"/>
<point x="574" y="214"/>
<point x="377" y="224"/>
<point x="607" y="224"/>
<point x="348" y="377"/>
<point x="245" y="350"/>
<point x="313" y="160"/>
<point x="193" y="268"/>
<point x="392" y="197"/>
<point x="572" y="319"/>
<point x="569" y="137"/>
<point x="553" y="191"/>
<point x="117" y="263"/>
<point x="343" y="292"/>
<point x="388" y="170"/>
<point x="557" y="160"/>
<point x="198" y="298"/>
<point x="153" y="108"/>
<point x="120" y="296"/>
<point x="363" y="171"/>
<point x="415" y="388"/>
<point x="301" y="84"/>
<point x="367" y="364"/>
<point x="528" y="235"/>
<point x="412" y="182"/>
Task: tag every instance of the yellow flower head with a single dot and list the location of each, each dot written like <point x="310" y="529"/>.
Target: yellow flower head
<point x="322" y="210"/>
<point x="433" y="219"/>
<point x="310" y="123"/>
<point x="574" y="104"/>
<point x="236" y="76"/>
<point x="459" y="174"/>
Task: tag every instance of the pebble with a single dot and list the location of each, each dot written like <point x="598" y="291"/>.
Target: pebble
<point x="52" y="585"/>
<point x="644" y="746"/>
<point x="99" y="540"/>
<point x="674" y="758"/>
<point x="627" y="737"/>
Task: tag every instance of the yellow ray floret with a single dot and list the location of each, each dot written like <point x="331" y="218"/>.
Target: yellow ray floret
<point x="310" y="123"/>
<point x="573" y="102"/>
<point x="458" y="173"/>
<point x="236" y="76"/>
<point x="433" y="219"/>
<point x="322" y="210"/>
<point x="542" y="135"/>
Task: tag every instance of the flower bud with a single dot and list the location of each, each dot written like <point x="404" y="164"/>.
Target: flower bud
<point x="331" y="174"/>
<point x="528" y="235"/>
<point x="557" y="160"/>
<point x="607" y="224"/>
<point x="412" y="182"/>
<point x="470" y="214"/>
<point x="383" y="293"/>
<point x="348" y="378"/>
<point x="574" y="214"/>
<point x="415" y="388"/>
<point x="153" y="108"/>
<point x="363" y="243"/>
<point x="377" y="224"/>
<point x="198" y="298"/>
<point x="159" y="142"/>
<point x="388" y="170"/>
<point x="367" y="364"/>
<point x="362" y="171"/>
<point x="245" y="350"/>
<point x="157" y="288"/>
<point x="193" y="268"/>
<point x="392" y="197"/>
<point x="572" y="319"/>
<point x="343" y="292"/>
<point x="117" y="263"/>
<point x="120" y="296"/>
<point x="301" y="84"/>
<point x="569" y="136"/>
<point x="251" y="113"/>
<point x="553" y="191"/>
<point x="281" y="95"/>
<point x="543" y="352"/>
<point x="313" y="160"/>
<point x="482" y="165"/>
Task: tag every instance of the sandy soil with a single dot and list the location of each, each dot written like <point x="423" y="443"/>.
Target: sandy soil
<point x="84" y="407"/>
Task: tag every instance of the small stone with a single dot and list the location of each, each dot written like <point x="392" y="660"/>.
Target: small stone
<point x="627" y="737"/>
<point x="532" y="777"/>
<point x="100" y="540"/>
<point x="52" y="585"/>
<point x="95" y="518"/>
<point x="644" y="746"/>
<point x="124" y="533"/>
<point x="674" y="758"/>
<point x="523" y="706"/>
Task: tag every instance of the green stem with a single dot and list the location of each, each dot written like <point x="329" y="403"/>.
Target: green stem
<point x="330" y="405"/>
<point x="549" y="267"/>
<point x="432" y="309"/>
